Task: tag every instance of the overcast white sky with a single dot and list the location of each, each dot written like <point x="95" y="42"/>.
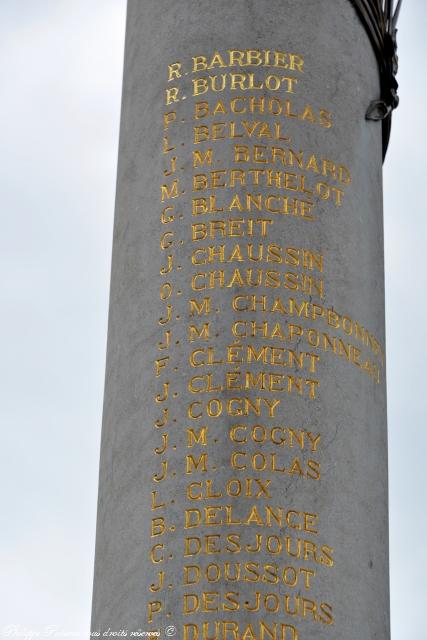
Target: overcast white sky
<point x="60" y="80"/>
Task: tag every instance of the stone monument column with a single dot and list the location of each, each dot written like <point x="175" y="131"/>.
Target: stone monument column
<point x="243" y="474"/>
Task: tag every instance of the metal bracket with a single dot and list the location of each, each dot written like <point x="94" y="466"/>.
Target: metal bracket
<point x="380" y="20"/>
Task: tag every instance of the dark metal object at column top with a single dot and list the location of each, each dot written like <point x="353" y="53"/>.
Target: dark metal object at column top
<point x="380" y="19"/>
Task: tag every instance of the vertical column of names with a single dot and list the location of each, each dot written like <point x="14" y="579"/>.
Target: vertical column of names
<point x="246" y="283"/>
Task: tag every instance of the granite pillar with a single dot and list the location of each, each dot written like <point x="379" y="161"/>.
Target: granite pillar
<point x="243" y="475"/>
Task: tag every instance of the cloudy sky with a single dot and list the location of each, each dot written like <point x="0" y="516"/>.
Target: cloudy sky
<point x="60" y="79"/>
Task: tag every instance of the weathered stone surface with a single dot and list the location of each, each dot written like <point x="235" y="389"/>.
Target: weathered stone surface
<point x="321" y="290"/>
